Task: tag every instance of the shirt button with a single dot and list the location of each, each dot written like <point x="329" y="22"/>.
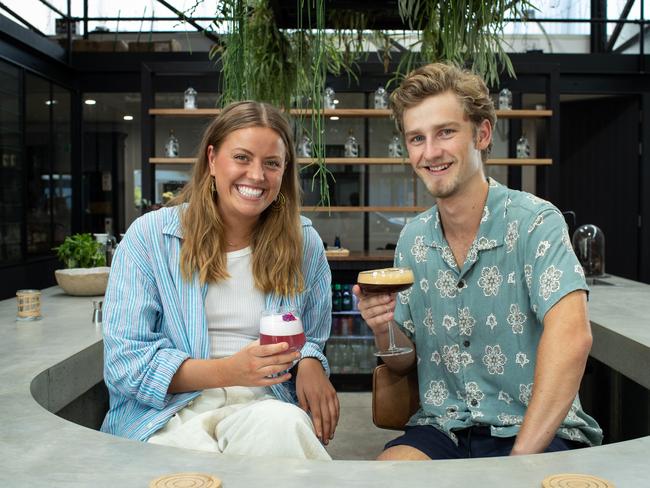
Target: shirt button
<point x="451" y="410"/>
<point x="460" y="284"/>
<point x="474" y="402"/>
<point x="466" y="343"/>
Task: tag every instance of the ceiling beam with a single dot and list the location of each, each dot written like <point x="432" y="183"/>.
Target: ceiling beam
<point x="184" y="18"/>
<point x="52" y="7"/>
<point x="20" y="19"/>
<point x="619" y="25"/>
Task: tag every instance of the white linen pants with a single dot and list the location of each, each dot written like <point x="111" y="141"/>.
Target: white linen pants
<point x="244" y="421"/>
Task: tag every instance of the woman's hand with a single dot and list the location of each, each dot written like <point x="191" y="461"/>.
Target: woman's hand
<point x="376" y="309"/>
<point x="254" y="364"/>
<point x="317" y="396"/>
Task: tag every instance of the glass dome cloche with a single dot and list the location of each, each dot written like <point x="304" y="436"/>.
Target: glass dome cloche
<point x="589" y="245"/>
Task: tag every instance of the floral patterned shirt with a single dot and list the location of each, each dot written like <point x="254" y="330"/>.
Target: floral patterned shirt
<point x="476" y="329"/>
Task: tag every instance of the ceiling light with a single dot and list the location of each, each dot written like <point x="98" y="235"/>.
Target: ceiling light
<point x="51" y="102"/>
<point x="128" y="117"/>
<point x="335" y="101"/>
<point x="334" y="117"/>
<point x="90" y="102"/>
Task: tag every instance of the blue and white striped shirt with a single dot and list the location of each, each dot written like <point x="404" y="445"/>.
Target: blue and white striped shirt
<point x="154" y="320"/>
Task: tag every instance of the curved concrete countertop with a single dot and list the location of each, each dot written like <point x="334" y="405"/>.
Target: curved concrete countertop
<point x="58" y="358"/>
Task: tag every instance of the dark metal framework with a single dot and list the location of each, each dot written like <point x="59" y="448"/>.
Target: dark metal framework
<point x="381" y="15"/>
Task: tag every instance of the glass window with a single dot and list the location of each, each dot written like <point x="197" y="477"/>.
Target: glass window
<point x="11" y="163"/>
<point x="111" y="166"/>
<point x="61" y="183"/>
<point x="39" y="158"/>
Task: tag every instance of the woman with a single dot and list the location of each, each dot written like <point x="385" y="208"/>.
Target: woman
<point x="187" y="288"/>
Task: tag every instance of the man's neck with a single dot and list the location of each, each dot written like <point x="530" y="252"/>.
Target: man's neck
<point x="461" y="213"/>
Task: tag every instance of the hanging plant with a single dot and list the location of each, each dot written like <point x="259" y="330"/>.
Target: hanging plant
<point x="259" y="61"/>
<point x="467" y="32"/>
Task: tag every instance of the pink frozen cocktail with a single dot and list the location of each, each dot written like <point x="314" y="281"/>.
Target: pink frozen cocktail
<point x="278" y="327"/>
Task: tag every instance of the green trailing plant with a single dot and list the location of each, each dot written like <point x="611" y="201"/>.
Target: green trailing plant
<point x="467" y="32"/>
<point x="81" y="251"/>
<point x="285" y="67"/>
<point x="288" y="67"/>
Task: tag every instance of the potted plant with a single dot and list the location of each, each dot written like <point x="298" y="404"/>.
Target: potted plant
<point x="86" y="273"/>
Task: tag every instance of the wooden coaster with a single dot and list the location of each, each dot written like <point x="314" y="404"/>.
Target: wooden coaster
<point x="186" y="480"/>
<point x="566" y="480"/>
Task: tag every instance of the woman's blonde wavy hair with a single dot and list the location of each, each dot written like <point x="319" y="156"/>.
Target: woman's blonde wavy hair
<point x="436" y="78"/>
<point x="276" y="239"/>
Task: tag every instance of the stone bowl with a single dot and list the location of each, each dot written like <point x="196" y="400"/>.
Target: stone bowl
<point x="83" y="281"/>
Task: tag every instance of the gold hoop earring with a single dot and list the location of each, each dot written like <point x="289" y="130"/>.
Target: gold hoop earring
<point x="279" y="202"/>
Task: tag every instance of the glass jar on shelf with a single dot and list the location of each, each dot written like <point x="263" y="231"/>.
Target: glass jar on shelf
<point x="351" y="146"/>
<point x="523" y="148"/>
<point x="171" y="147"/>
<point x="189" y="98"/>
<point x="305" y="147"/>
<point x="505" y="99"/>
<point x="395" y="149"/>
<point x="328" y="98"/>
<point x="381" y="98"/>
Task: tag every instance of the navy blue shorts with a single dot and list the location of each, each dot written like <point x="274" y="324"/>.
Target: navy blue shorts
<point x="473" y="442"/>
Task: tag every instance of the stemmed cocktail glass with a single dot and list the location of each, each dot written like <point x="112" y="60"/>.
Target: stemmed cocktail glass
<point x="387" y="281"/>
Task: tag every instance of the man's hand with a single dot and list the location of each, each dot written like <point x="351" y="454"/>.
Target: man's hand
<point x="377" y="310"/>
<point x="317" y="396"/>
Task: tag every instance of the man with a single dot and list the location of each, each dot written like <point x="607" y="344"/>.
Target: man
<point x="497" y="314"/>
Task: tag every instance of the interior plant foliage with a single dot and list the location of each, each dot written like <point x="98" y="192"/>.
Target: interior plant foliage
<point x="80" y="251"/>
<point x="467" y="32"/>
<point x="285" y="67"/>
<point x="288" y="67"/>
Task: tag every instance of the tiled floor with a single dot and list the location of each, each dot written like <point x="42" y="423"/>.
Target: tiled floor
<point x="356" y="436"/>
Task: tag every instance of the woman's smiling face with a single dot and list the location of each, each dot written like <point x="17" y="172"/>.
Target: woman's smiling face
<point x="248" y="170"/>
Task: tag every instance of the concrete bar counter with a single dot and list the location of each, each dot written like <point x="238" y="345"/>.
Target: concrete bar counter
<point x="49" y="363"/>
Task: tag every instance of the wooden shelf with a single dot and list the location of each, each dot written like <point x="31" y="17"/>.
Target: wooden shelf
<point x="399" y="209"/>
<point x="340" y="112"/>
<point x="377" y="161"/>
<point x="185" y="112"/>
<point x="520" y="162"/>
<point x="356" y="161"/>
<point x="523" y="114"/>
<point x="365" y="256"/>
<point x="172" y="160"/>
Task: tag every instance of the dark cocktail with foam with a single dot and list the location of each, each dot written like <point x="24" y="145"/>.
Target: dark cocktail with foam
<point x="387" y="280"/>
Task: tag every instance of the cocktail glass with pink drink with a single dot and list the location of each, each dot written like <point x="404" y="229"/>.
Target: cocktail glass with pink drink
<point x="282" y="325"/>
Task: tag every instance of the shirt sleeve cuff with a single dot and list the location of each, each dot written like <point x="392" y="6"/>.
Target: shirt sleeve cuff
<point x="166" y="363"/>
<point x="311" y="350"/>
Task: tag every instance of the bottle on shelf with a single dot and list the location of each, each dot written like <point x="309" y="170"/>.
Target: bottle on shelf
<point x="505" y="99"/>
<point x="328" y="98"/>
<point x="395" y="149"/>
<point x="111" y="241"/>
<point x="381" y="98"/>
<point x="346" y="299"/>
<point x="305" y="147"/>
<point x="189" y="99"/>
<point x="523" y="147"/>
<point x="351" y="146"/>
<point x="337" y="298"/>
<point x="171" y="147"/>
<point x="333" y="354"/>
